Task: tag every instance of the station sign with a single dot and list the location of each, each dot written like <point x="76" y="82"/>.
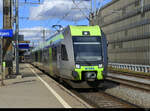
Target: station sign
<point x="23" y="46"/>
<point x="6" y="33"/>
<point x="24" y="41"/>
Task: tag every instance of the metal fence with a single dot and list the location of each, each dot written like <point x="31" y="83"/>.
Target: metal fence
<point x="132" y="67"/>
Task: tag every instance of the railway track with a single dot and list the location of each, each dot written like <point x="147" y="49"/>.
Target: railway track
<point x="100" y="99"/>
<point x="132" y="81"/>
<point x="97" y="98"/>
<point x="131" y="74"/>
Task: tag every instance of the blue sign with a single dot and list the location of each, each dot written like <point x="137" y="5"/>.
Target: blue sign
<point x="23" y="46"/>
<point x="6" y="33"/>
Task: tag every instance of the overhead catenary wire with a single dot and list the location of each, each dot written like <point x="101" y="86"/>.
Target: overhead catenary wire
<point x="86" y="7"/>
<point x="80" y="10"/>
<point x="76" y="4"/>
<point x="65" y="15"/>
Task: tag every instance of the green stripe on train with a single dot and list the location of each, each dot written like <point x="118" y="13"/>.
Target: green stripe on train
<point x="88" y="68"/>
<point x="58" y="37"/>
<point x="77" y="30"/>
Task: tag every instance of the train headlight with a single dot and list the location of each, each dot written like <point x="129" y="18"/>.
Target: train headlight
<point x="77" y="66"/>
<point x="100" y="65"/>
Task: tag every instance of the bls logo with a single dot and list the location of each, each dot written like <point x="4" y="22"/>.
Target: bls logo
<point x="89" y="68"/>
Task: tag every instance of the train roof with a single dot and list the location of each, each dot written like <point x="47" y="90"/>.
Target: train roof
<point x="78" y="30"/>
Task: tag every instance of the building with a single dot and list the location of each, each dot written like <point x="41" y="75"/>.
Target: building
<point x="126" y="24"/>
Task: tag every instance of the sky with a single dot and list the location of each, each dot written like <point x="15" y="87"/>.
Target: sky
<point x="37" y="17"/>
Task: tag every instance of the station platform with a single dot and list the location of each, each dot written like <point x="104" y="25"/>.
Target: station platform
<point x="34" y="89"/>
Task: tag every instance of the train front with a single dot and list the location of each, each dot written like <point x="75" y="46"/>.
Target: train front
<point x="90" y="55"/>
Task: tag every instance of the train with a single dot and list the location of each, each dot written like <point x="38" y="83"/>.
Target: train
<point x="76" y="55"/>
<point x="26" y="58"/>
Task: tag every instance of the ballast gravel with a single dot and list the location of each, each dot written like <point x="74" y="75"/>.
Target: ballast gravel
<point x="132" y="95"/>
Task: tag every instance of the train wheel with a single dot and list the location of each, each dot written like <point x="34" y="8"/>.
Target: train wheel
<point x="60" y="80"/>
<point x="95" y="84"/>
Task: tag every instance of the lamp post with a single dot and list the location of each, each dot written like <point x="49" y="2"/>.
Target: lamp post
<point x="16" y="34"/>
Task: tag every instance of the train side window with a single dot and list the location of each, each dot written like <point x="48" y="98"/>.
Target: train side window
<point x="64" y="55"/>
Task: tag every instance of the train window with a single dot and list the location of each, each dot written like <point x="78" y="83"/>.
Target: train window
<point x="54" y="53"/>
<point x="64" y="55"/>
<point x="36" y="56"/>
<point x="45" y="56"/>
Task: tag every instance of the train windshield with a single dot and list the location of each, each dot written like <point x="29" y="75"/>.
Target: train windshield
<point x="87" y="48"/>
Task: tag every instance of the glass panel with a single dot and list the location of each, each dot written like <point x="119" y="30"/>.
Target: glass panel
<point x="87" y="48"/>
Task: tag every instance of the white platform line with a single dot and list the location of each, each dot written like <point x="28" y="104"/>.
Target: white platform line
<point x="60" y="99"/>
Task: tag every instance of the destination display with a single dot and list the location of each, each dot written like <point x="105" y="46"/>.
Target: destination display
<point x="86" y="39"/>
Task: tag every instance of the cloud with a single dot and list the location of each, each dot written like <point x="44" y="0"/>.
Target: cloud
<point x="53" y="9"/>
<point x="1" y="5"/>
<point x="34" y="34"/>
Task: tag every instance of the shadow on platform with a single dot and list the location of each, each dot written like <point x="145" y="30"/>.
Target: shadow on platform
<point x="27" y="81"/>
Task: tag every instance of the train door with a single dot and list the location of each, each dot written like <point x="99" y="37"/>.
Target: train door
<point x="55" y="60"/>
<point x="58" y="56"/>
<point x="64" y="62"/>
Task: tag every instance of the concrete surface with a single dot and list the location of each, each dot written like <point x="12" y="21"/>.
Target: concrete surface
<point x="31" y="92"/>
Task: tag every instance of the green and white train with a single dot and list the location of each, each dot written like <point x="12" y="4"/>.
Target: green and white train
<point x="77" y="55"/>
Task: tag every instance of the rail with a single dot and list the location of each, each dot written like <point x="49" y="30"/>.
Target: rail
<point x="132" y="67"/>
